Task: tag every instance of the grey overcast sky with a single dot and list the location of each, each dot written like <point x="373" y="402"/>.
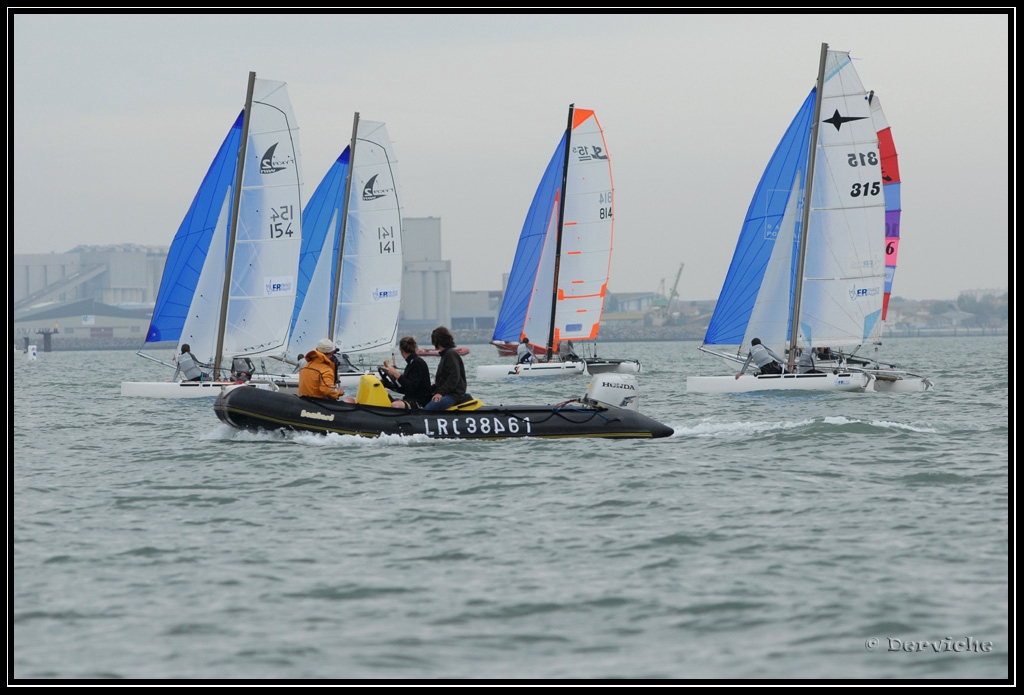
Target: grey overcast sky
<point x="115" y="118"/>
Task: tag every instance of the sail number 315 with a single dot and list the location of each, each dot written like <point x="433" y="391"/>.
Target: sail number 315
<point x="864" y="159"/>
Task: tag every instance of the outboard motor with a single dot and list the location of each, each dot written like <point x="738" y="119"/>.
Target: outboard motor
<point x="613" y="389"/>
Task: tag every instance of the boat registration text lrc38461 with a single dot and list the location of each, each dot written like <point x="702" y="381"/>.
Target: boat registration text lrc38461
<point x="476" y="425"/>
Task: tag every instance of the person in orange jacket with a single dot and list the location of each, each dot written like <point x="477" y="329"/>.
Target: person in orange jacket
<point x="317" y="376"/>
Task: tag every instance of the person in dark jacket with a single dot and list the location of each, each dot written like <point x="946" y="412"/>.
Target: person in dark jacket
<point x="450" y="378"/>
<point x="414" y="382"/>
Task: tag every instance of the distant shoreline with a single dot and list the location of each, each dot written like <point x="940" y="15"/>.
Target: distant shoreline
<point x="483" y="337"/>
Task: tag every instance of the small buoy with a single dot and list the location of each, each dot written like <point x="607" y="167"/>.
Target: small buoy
<point x="32" y="352"/>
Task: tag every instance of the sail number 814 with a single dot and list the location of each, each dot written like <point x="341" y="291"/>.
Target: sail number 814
<point x="605" y="211"/>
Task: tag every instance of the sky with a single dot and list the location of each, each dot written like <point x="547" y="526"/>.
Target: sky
<point x="115" y="118"/>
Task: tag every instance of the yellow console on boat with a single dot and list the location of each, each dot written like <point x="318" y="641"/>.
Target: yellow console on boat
<point x="372" y="392"/>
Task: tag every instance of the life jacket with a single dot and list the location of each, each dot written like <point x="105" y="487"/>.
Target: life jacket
<point x="189" y="368"/>
<point x="241" y="368"/>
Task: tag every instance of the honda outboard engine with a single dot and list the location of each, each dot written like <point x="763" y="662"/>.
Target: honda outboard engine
<point x="616" y="390"/>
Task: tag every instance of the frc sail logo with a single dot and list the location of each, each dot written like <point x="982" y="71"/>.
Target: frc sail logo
<point x="269" y="164"/>
<point x="863" y="292"/>
<point x="279" y="285"/>
<point x="371" y="192"/>
<point x="385" y="294"/>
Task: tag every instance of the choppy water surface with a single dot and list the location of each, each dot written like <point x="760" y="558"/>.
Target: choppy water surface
<point x="773" y="536"/>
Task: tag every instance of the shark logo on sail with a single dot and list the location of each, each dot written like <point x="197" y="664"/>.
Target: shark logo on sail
<point x="371" y="193"/>
<point x="270" y="165"/>
<point x="589" y="152"/>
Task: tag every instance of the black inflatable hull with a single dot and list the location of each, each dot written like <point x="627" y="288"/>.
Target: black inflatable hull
<point x="259" y="409"/>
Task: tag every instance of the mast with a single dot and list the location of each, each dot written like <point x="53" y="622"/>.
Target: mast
<point x="558" y="232"/>
<point x="233" y="227"/>
<point x="806" y="216"/>
<point x="336" y="290"/>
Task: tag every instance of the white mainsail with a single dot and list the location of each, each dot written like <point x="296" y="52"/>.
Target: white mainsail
<point x="371" y="272"/>
<point x="353" y="254"/>
<point x="844" y="271"/>
<point x="586" y="232"/>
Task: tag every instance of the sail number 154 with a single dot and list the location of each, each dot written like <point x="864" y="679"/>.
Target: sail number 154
<point x="281" y="221"/>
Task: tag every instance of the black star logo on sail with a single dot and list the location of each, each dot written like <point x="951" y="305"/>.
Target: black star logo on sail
<point x="838" y="120"/>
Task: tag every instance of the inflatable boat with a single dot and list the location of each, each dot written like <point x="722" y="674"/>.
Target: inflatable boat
<point x="608" y="410"/>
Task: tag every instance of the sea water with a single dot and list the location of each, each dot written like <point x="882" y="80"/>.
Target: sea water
<point x="774" y="536"/>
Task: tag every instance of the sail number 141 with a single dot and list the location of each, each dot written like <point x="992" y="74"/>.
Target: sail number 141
<point x="386" y="240"/>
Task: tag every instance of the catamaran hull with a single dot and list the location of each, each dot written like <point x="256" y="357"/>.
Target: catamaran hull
<point x="184" y="389"/>
<point x="289" y="383"/>
<point x="887" y="379"/>
<point x="255" y="410"/>
<point x="602" y="366"/>
<point x="840" y="381"/>
<point x="431" y="352"/>
<point x="535" y="370"/>
<point x="883" y="382"/>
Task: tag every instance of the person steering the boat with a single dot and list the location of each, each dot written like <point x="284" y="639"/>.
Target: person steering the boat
<point x="450" y="378"/>
<point x="414" y="382"/>
<point x="317" y="376"/>
<point x="189" y="366"/>
<point x="524" y="355"/>
<point x="767" y="361"/>
<point x="566" y="353"/>
<point x="805" y="364"/>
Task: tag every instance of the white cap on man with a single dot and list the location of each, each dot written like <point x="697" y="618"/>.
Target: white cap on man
<point x="326" y="346"/>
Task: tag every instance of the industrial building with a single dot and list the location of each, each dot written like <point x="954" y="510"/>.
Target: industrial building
<point x="101" y="297"/>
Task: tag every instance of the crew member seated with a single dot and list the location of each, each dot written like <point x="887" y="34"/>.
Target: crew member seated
<point x="566" y="352"/>
<point x="805" y="364"/>
<point x="524" y="353"/>
<point x="767" y="361"/>
<point x="241" y="369"/>
<point x="317" y="377"/>
<point x="189" y="366"/>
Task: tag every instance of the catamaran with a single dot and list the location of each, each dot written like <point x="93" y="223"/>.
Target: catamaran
<point x="228" y="286"/>
<point x="559" y="279"/>
<point x="809" y="269"/>
<point x="350" y="264"/>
